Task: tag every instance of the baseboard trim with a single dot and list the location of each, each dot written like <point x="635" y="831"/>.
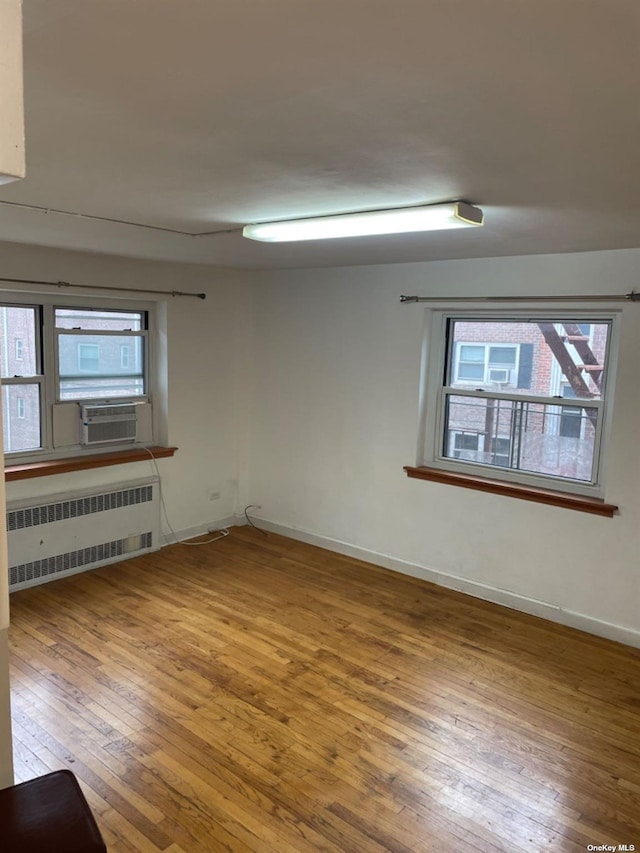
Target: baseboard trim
<point x="506" y="598"/>
<point x="168" y="538"/>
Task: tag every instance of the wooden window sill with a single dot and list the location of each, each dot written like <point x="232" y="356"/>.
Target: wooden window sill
<point x="28" y="470"/>
<point x="513" y="490"/>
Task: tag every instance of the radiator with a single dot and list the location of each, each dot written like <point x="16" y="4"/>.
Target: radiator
<point x="64" y="534"/>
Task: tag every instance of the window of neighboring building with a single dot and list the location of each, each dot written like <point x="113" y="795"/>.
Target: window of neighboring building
<point x="501" y="451"/>
<point x="52" y="355"/>
<point x="472" y="447"/>
<point x="486" y="363"/>
<point x="88" y="358"/>
<point x="571" y="418"/>
<point x="491" y="399"/>
<point x="465" y="444"/>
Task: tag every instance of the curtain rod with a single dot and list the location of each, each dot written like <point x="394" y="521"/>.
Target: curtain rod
<point x="103" y="289"/>
<point x="626" y="297"/>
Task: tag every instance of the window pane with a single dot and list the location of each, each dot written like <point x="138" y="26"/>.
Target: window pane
<point x="21" y="417"/>
<point x="539" y="355"/>
<point x="472" y="354"/>
<point x="502" y="355"/>
<point x="464" y="441"/>
<point x="88" y="358"/>
<point x="532" y="434"/>
<point x="92" y="366"/>
<point x="111" y="321"/>
<point x="101" y="389"/>
<point x="18" y="354"/>
<point x="470" y="371"/>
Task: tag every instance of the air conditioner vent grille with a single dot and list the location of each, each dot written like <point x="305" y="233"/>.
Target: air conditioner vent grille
<point x="18" y="519"/>
<point x="109" y="411"/>
<point x="74" y="559"/>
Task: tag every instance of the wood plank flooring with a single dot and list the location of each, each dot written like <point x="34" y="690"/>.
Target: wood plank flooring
<point x="259" y="694"/>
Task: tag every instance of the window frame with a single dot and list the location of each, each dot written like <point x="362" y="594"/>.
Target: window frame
<point x="46" y="342"/>
<point x="434" y="378"/>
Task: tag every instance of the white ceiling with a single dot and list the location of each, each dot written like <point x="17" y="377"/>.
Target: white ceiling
<point x="203" y="115"/>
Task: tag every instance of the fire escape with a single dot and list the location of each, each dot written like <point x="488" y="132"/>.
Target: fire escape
<point x="573" y="371"/>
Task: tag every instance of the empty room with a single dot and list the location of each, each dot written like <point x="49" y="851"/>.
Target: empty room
<point x="319" y="347"/>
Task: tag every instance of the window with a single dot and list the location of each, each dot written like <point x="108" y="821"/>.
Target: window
<point x="23" y="382"/>
<point x="88" y="358"/>
<point x="570" y="425"/>
<point x="93" y="342"/>
<point x="465" y="445"/>
<point x="493" y="387"/>
<point x="55" y="356"/>
<point x="471" y="446"/>
<point x="500" y="451"/>
<point x="486" y="363"/>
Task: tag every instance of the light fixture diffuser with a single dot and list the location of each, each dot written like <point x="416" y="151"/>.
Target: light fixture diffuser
<point x="433" y="217"/>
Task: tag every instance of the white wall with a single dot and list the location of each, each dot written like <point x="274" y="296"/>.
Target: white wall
<point x="333" y="421"/>
<point x="205" y="344"/>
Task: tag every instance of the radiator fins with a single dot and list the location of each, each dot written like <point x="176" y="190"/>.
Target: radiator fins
<point x="75" y="559"/>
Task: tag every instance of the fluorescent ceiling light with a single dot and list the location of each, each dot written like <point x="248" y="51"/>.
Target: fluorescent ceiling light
<point x="402" y="220"/>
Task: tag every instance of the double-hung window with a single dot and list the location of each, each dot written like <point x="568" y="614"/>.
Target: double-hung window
<point x="22" y="377"/>
<point x="55" y="357"/>
<point x="522" y="398"/>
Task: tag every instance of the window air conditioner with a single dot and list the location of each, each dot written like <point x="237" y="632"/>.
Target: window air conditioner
<point x="499" y="374"/>
<point x="108" y="423"/>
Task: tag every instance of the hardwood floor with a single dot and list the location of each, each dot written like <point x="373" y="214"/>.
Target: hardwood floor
<point x="259" y="694"/>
